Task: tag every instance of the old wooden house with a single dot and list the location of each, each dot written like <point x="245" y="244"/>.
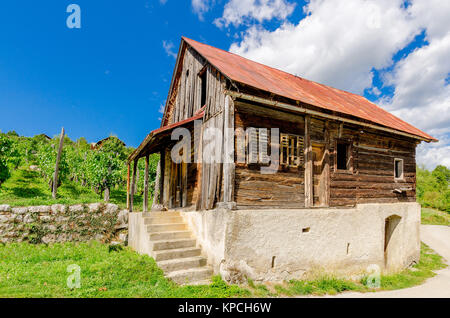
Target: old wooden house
<point x="281" y="174"/>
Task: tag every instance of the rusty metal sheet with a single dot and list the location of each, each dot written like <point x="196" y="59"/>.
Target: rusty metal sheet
<point x="287" y="85"/>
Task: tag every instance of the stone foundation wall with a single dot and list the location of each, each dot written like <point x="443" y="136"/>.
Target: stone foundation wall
<point x="283" y="244"/>
<point x="61" y="223"/>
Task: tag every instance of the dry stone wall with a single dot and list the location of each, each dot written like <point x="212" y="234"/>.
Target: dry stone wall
<point x="62" y="223"/>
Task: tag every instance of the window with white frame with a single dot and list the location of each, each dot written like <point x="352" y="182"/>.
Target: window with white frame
<point x="291" y="150"/>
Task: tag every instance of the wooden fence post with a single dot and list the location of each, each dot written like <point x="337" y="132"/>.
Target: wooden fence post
<point x="133" y="183"/>
<point x="58" y="158"/>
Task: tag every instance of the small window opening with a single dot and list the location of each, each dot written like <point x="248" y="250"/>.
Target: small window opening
<point x="342" y="156"/>
<point x="306" y="230"/>
<point x="398" y="168"/>
<point x="203" y="80"/>
<point x="273" y="261"/>
<point x="348" y="248"/>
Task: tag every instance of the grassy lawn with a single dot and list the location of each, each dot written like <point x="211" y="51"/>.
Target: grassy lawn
<point x="41" y="271"/>
<point x="435" y="217"/>
<point x="27" y="188"/>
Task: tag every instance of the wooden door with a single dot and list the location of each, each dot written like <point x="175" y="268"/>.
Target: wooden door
<point x="319" y="188"/>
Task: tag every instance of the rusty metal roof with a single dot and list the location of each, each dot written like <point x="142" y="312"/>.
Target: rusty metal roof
<point x="275" y="81"/>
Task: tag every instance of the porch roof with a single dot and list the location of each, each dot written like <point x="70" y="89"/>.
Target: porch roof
<point x="155" y="140"/>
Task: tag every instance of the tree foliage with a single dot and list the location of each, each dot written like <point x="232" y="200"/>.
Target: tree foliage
<point x="99" y="168"/>
<point x="433" y="188"/>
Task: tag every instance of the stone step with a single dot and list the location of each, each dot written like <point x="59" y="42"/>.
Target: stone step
<point x="166" y="227"/>
<point x="157" y="214"/>
<point x="173" y="244"/>
<point x="163" y="220"/>
<point x="176" y="253"/>
<point x="174" y="235"/>
<point x="182" y="263"/>
<point x="190" y="276"/>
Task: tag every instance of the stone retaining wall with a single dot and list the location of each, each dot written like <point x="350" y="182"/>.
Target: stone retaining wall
<point x="61" y="223"/>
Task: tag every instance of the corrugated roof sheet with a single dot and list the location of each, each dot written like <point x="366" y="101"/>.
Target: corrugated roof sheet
<point x="287" y="85"/>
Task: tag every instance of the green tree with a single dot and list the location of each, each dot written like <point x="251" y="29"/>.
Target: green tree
<point x="5" y="147"/>
<point x="46" y="159"/>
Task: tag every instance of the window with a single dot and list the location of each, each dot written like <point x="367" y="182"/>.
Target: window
<point x="343" y="156"/>
<point x="291" y="150"/>
<point x="258" y="144"/>
<point x="203" y="80"/>
<point x="398" y="168"/>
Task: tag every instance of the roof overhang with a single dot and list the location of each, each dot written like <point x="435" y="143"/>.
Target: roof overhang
<point x="156" y="140"/>
<point x="299" y="109"/>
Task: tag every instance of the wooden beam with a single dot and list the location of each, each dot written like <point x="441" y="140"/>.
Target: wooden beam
<point x="58" y="158"/>
<point x="309" y="176"/>
<point x="326" y="172"/>
<point x="228" y="166"/>
<point x="166" y="184"/>
<point x="133" y="184"/>
<point x="147" y="160"/>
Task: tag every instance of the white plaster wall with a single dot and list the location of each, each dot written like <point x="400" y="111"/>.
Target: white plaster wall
<point x="341" y="241"/>
<point x="138" y="237"/>
<point x="209" y="228"/>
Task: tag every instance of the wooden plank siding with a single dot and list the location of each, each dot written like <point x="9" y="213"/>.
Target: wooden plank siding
<point x="372" y="179"/>
<point x="187" y="97"/>
<point x="284" y="189"/>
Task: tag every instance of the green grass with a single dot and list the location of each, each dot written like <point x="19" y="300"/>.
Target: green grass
<point x="429" y="262"/>
<point x="41" y="271"/>
<point x="435" y="217"/>
<point x="28" y="188"/>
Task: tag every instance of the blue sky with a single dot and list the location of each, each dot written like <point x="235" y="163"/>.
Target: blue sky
<point x="112" y="75"/>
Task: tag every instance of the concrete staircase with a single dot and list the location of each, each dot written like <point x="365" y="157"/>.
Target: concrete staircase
<point x="175" y="250"/>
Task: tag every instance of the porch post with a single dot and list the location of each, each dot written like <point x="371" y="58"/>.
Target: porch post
<point x="228" y="164"/>
<point x="128" y="187"/>
<point x="147" y="159"/>
<point x="133" y="183"/>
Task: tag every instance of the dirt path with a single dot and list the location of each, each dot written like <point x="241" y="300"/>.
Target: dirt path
<point x="438" y="238"/>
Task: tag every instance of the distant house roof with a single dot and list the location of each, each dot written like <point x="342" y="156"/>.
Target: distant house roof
<point x="280" y="83"/>
<point x="44" y="136"/>
<point x="98" y="144"/>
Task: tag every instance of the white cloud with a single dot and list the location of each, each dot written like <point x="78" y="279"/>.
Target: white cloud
<point x="422" y="95"/>
<point x="200" y="7"/>
<point x="168" y="47"/>
<point x="161" y="108"/>
<point x="237" y="12"/>
<point x="337" y="43"/>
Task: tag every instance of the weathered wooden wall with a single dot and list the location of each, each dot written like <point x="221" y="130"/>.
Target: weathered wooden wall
<point x="283" y="189"/>
<point x="186" y="98"/>
<point x="369" y="180"/>
<point x="211" y="183"/>
<point x="372" y="179"/>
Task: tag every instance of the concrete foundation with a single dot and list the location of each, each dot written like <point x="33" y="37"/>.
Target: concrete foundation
<point x="274" y="245"/>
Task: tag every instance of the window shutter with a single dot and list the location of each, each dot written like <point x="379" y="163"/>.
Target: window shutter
<point x="263" y="145"/>
<point x="300" y="151"/>
<point x="252" y="139"/>
<point x="284" y="145"/>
